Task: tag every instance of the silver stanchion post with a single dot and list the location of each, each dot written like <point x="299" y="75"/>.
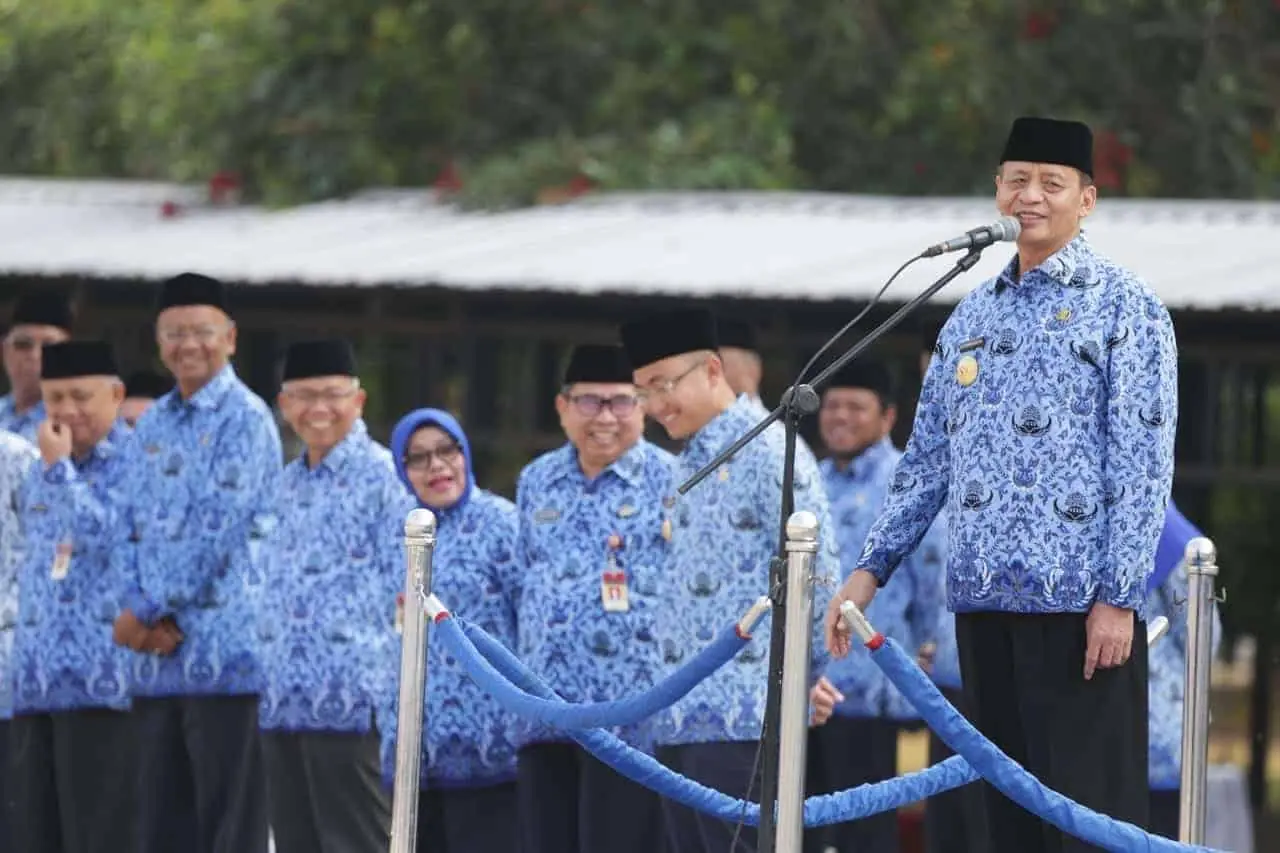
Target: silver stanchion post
<point x="1202" y="571"/>
<point x="793" y="729"/>
<point x="419" y="542"/>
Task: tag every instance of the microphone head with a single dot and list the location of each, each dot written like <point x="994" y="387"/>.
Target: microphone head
<point x="1006" y="229"/>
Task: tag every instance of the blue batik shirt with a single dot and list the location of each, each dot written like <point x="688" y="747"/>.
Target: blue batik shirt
<point x="200" y="488"/>
<point x="64" y="657"/>
<point x="1045" y="426"/>
<point x="17" y="457"/>
<point x="334" y="565"/>
<point x="467" y="740"/>
<point x="1166" y="687"/>
<point x="23" y="425"/>
<point x="945" y="670"/>
<point x="908" y="610"/>
<point x="565" y="635"/>
<point x="724" y="534"/>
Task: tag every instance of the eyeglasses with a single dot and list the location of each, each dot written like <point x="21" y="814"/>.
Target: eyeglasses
<point x="23" y="343"/>
<point x="420" y="461"/>
<point x="200" y="334"/>
<point x="664" y="387"/>
<point x="329" y="396"/>
<point x="590" y="405"/>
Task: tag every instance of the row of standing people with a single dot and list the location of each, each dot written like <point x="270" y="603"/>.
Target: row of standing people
<point x="306" y="762"/>
<point x="189" y="608"/>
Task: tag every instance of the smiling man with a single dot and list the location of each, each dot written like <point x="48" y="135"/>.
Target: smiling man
<point x="335" y="562"/>
<point x="591" y="560"/>
<point x="201" y="478"/>
<point x="1045" y="428"/>
<point x="724" y="534"/>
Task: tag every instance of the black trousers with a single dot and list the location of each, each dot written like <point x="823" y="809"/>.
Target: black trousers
<point x="325" y="792"/>
<point x="1024" y="684"/>
<point x="954" y="822"/>
<point x="468" y="820"/>
<point x="844" y="753"/>
<point x="200" y="771"/>
<point x="1166" y="811"/>
<point x="572" y="803"/>
<point x="727" y="767"/>
<point x="7" y="805"/>
<point x="68" y="779"/>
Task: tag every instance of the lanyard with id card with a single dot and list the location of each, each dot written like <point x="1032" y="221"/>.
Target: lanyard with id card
<point x="61" y="560"/>
<point x="613" y="580"/>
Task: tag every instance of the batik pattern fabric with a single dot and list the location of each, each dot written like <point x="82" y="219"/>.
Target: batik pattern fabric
<point x="333" y="565"/>
<point x="1050" y="403"/>
<point x="64" y="656"/>
<point x="907" y="610"/>
<point x="945" y="669"/>
<point x="202" y="478"/>
<point x="724" y="533"/>
<point x="17" y="457"/>
<point x="23" y="425"/>
<point x="468" y="738"/>
<point x="567" y="527"/>
<point x="1167" y="661"/>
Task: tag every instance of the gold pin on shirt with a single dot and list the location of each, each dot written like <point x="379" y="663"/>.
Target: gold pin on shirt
<point x="666" y="529"/>
<point x="967" y="370"/>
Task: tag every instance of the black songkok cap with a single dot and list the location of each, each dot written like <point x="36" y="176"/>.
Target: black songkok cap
<point x="598" y="363"/>
<point x="1049" y="140"/>
<point x="146" y="384"/>
<point x="735" y="333"/>
<point x="42" y="308"/>
<point x="669" y="333"/>
<point x="72" y="359"/>
<point x="865" y="373"/>
<point x="191" y="288"/>
<point x="308" y="359"/>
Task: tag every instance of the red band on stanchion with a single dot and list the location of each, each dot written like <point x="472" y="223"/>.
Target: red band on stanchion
<point x="875" y="642"/>
<point x="441" y="616"/>
<point x="742" y="635"/>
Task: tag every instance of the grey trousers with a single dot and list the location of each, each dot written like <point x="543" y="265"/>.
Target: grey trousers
<point x="325" y="794"/>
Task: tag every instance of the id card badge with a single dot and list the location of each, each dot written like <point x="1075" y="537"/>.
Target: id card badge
<point x="613" y="581"/>
<point x="61" y="561"/>
<point x="400" y="613"/>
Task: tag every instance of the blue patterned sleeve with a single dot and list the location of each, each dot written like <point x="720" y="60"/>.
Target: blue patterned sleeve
<point x="1142" y="412"/>
<point x="93" y="520"/>
<point x="504" y="566"/>
<point x="239" y="503"/>
<point x="123" y="561"/>
<point x="926" y="567"/>
<point x="919" y="486"/>
<point x="521" y="560"/>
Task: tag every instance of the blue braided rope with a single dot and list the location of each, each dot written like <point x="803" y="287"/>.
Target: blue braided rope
<point x="851" y="804"/>
<point x="1009" y="777"/>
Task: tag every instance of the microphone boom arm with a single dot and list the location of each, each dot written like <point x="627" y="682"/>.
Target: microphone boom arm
<point x="965" y="264"/>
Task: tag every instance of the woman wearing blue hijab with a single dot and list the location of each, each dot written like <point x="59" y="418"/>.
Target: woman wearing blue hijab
<point x="467" y="802"/>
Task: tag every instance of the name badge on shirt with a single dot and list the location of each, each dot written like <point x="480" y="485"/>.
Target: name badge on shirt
<point x="61" y="561"/>
<point x="400" y="613"/>
<point x="613" y="581"/>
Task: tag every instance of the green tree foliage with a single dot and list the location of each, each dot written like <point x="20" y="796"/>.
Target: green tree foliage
<point x="518" y="102"/>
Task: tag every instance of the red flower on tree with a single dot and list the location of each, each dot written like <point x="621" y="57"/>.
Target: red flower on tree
<point x="1110" y="159"/>
<point x="1039" y="25"/>
<point x="448" y="181"/>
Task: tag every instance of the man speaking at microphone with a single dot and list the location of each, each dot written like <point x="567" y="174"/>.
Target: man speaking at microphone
<point x="1045" y="428"/>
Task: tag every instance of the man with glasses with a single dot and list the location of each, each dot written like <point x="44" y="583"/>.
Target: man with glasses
<point x="326" y="626"/>
<point x="39" y="319"/>
<point x="202" y="476"/>
<point x="592" y="560"/>
<point x="723" y="534"/>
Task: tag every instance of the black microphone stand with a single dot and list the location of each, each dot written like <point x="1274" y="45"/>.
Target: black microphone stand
<point x="798" y="401"/>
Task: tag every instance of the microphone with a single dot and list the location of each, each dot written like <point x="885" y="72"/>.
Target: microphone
<point x="1004" y="229"/>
